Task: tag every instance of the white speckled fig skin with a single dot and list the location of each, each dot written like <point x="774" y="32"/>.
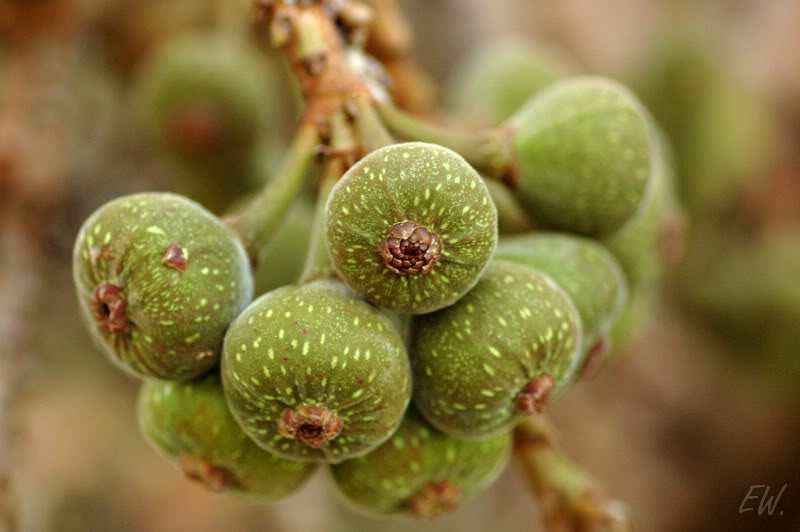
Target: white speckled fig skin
<point x="317" y="346"/>
<point x="176" y="310"/>
<point x="189" y="422"/>
<point x="393" y="477"/>
<point x="473" y="360"/>
<point x="587" y="271"/>
<point x="426" y="185"/>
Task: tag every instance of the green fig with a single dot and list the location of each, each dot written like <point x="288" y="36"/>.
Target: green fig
<point x="627" y="332"/>
<point x="314" y="373"/>
<point x="190" y="423"/>
<point x="587" y="272"/>
<point x="497" y="354"/>
<point x="204" y="100"/>
<point x="204" y="97"/>
<point x="719" y="127"/>
<point x="159" y="279"/>
<point x="583" y="149"/>
<point x="411" y="227"/>
<point x="653" y="238"/>
<point x="494" y="83"/>
<point x="421" y="471"/>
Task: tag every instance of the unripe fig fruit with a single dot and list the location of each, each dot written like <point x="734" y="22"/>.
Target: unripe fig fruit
<point x="159" y="280"/>
<point x="314" y="373"/>
<point x="587" y="272"/>
<point x="282" y="262"/>
<point x="190" y="423"/>
<point x="421" y="471"/>
<point x="722" y="132"/>
<point x="583" y="149"/>
<point x="628" y="332"/>
<point x="411" y="227"/>
<point x="494" y="83"/>
<point x="497" y="354"/>
<point x="204" y="98"/>
<point x="653" y="238"/>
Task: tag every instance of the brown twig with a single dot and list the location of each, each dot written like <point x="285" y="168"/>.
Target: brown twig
<point x="571" y="499"/>
<point x="390" y="41"/>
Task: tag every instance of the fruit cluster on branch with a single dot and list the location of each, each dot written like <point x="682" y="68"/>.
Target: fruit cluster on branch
<point x="420" y="333"/>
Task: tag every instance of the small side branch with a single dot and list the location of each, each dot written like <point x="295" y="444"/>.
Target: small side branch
<point x="256" y="224"/>
<point x="571" y="499"/>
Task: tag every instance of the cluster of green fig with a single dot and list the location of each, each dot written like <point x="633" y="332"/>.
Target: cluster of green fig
<point x="407" y="368"/>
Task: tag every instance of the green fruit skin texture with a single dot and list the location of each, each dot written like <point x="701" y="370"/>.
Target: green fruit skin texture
<point x="639" y="244"/>
<point x="499" y="79"/>
<point x="221" y="76"/>
<point x="420" y="183"/>
<point x="176" y="319"/>
<point x="191" y="420"/>
<point x="417" y="456"/>
<point x="283" y="260"/>
<point x="317" y="344"/>
<point x="587" y="272"/>
<point x="583" y="150"/>
<point x="472" y="360"/>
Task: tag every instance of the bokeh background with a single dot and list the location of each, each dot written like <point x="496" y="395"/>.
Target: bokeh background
<point x="704" y="404"/>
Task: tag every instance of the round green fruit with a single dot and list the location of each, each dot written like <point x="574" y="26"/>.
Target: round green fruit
<point x="722" y="132"/>
<point x="159" y="279"/>
<point x="653" y="238"/>
<point x="495" y="82"/>
<point x="497" y="354"/>
<point x="587" y="272"/>
<point x="421" y="471"/>
<point x="314" y="373"/>
<point x="190" y="423"/>
<point x="205" y="98"/>
<point x="411" y="227"/>
<point x="583" y="148"/>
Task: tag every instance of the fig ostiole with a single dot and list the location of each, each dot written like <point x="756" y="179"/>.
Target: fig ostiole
<point x="411" y="227"/>
<point x="502" y="352"/>
<point x="159" y="279"/>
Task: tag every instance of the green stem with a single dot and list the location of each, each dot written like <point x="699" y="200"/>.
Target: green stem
<point x="318" y="261"/>
<point x="259" y="220"/>
<point x="342" y="146"/>
<point x="488" y="150"/>
<point x="570" y="497"/>
<point x="371" y="130"/>
<point x="511" y="218"/>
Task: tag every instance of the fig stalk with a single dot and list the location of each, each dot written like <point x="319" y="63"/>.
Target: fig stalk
<point x="570" y="497"/>
<point x="259" y="220"/>
<point x="488" y="150"/>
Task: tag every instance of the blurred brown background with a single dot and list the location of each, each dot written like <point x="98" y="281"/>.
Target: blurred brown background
<point x="679" y="429"/>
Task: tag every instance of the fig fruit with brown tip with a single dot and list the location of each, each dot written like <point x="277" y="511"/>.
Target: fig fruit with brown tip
<point x="314" y="373"/>
<point x="190" y="423"/>
<point x="202" y="98"/>
<point x="586" y="271"/>
<point x="498" y="354"/>
<point x="159" y="279"/>
<point x="411" y="227"/>
<point x="421" y="471"/>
